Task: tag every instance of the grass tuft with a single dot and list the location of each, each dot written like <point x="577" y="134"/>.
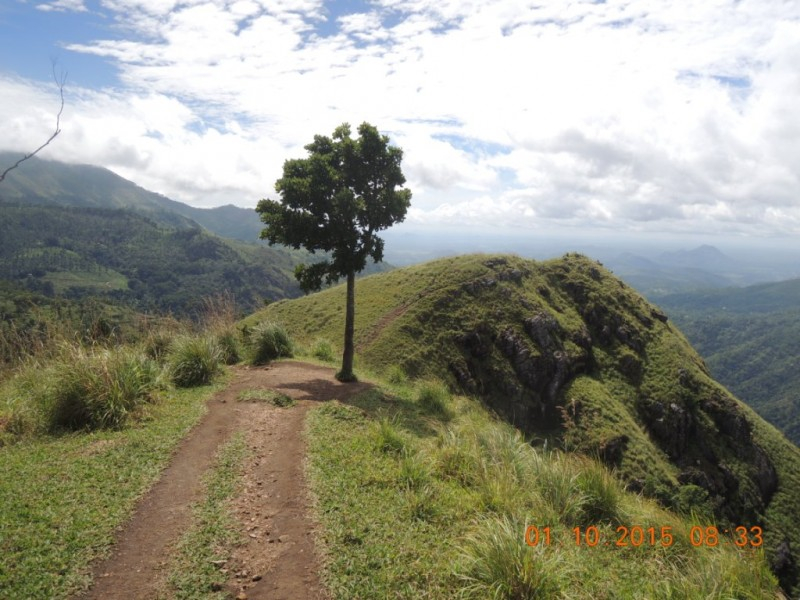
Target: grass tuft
<point x="230" y="351"/>
<point x="323" y="350"/>
<point x="80" y="390"/>
<point x="497" y="563"/>
<point x="193" y="360"/>
<point x="388" y="439"/>
<point x="268" y="341"/>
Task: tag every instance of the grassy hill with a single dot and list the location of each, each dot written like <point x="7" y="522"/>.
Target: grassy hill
<point x="569" y="354"/>
<point x="748" y="337"/>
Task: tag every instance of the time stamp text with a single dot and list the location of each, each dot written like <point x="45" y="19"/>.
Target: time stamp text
<point x="637" y="536"/>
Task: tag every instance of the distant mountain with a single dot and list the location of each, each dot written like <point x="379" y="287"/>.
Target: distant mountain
<point x="228" y="221"/>
<point x="50" y="182"/>
<point x="749" y="339"/>
<point x="704" y="257"/>
<point x="761" y="298"/>
<point x="701" y="268"/>
<point x="39" y="181"/>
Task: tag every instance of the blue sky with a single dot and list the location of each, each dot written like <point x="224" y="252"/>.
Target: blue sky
<point x="643" y="117"/>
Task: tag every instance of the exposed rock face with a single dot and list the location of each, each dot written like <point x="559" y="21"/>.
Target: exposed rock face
<point x="538" y="359"/>
<point x="671" y="425"/>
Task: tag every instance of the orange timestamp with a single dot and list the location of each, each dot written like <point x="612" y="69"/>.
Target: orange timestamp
<point x="636" y="536"/>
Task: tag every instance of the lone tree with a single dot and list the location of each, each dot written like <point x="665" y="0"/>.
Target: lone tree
<point x="334" y="202"/>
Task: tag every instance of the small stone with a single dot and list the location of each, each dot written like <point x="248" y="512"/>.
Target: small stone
<point x="256" y="578"/>
<point x="241" y="596"/>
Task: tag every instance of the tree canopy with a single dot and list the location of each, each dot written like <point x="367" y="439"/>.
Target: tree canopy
<point x="336" y="200"/>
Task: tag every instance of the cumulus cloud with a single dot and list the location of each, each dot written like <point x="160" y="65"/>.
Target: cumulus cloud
<point x="626" y="114"/>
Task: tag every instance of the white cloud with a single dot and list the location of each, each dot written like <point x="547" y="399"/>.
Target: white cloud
<point x="63" y="6"/>
<point x="631" y="114"/>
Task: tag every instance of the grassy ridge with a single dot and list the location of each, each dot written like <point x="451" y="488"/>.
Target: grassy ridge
<point x="571" y="355"/>
<point x="401" y="482"/>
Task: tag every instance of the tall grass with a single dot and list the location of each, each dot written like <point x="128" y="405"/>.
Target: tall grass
<point x="498" y="564"/>
<point x="218" y="319"/>
<point x="80" y="389"/>
<point x="323" y="350"/>
<point x="193" y="360"/>
<point x="455" y="497"/>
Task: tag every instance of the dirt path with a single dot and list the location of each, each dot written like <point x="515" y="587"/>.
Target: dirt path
<point x="278" y="560"/>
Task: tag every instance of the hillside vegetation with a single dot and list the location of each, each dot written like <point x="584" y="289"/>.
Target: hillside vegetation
<point x="125" y="257"/>
<point x="748" y="337"/>
<point x="569" y="354"/>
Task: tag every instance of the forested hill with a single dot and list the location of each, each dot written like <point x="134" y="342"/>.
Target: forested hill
<point x="127" y="257"/>
<point x="50" y="182"/>
<point x="748" y="337"/>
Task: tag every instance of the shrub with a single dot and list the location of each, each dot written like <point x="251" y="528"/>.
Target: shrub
<point x="268" y="341"/>
<point x="193" y="360"/>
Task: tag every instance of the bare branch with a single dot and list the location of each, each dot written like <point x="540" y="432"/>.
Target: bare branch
<point x="60" y="82"/>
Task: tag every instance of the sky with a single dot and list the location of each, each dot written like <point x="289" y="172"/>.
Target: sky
<point x="644" y="117"/>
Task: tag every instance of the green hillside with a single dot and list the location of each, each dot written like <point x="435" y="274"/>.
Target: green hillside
<point x="748" y="337"/>
<point x="123" y="256"/>
<point x="571" y="355"/>
<point x="52" y="182"/>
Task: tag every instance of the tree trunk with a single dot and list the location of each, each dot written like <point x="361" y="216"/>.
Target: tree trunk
<point x="346" y="374"/>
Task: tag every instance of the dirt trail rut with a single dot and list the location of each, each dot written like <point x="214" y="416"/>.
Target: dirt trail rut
<point x="278" y="560"/>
